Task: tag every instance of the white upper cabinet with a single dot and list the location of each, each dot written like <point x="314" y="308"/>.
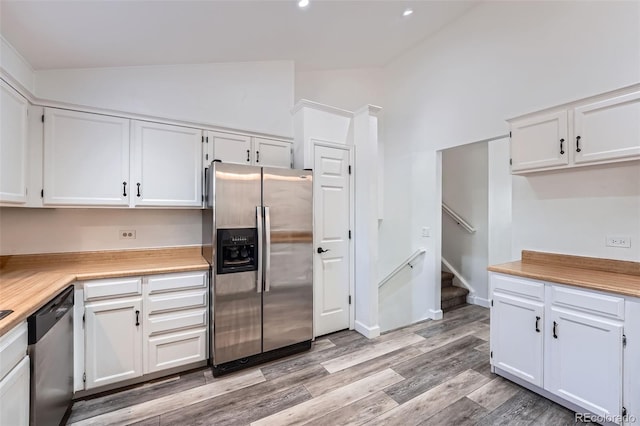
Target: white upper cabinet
<point x="598" y="130"/>
<point x="166" y="165"/>
<point x="608" y="130"/>
<point x="230" y="148"/>
<point x="86" y="159"/>
<point x="13" y="145"/>
<point x="272" y="153"/>
<point x="539" y="142"/>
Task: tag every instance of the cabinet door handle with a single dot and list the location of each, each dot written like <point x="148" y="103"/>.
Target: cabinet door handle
<point x="561" y="148"/>
<point x="578" y="144"/>
<point x="555" y="330"/>
<point x="257" y="156"/>
<point x="124" y="189"/>
<point x="537" y="327"/>
<point x="248" y="155"/>
<point x="137" y="318"/>
<point x="138" y="188"/>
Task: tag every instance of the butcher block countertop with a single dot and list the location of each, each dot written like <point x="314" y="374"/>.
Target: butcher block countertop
<point x="27" y="282"/>
<point x="613" y="276"/>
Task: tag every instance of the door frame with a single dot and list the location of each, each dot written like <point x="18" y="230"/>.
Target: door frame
<point x="352" y="288"/>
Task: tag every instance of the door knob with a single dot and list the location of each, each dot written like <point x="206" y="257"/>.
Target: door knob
<point x="321" y="250"/>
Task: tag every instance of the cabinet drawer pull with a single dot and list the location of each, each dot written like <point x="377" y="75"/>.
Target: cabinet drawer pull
<point x="124" y="189"/>
<point x="257" y="156"/>
<point x="561" y="148"/>
<point x="537" y="327"/>
<point x="137" y="318"/>
<point x="248" y="155"/>
<point x="578" y="144"/>
<point x="555" y="330"/>
<point x="138" y="188"/>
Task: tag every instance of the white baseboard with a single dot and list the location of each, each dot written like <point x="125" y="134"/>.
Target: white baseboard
<point x="435" y="314"/>
<point x="368" y="332"/>
<point x="480" y="301"/>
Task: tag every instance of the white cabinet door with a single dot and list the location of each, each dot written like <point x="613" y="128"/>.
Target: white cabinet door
<point x="113" y="348"/>
<point x="584" y="360"/>
<point x="14" y="395"/>
<point x="539" y="142"/>
<point x="517" y="326"/>
<point x="231" y="148"/>
<point x="608" y="130"/>
<point x="166" y="165"/>
<point x="272" y="153"/>
<point x="13" y="145"/>
<point x="175" y="349"/>
<point x="86" y="159"/>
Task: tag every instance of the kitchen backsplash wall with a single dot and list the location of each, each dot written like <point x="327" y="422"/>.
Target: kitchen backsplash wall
<point x="63" y="230"/>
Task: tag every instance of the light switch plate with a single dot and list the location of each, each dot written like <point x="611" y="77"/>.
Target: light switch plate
<point x="618" y="241"/>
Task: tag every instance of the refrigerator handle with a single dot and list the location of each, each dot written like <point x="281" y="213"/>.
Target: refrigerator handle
<point x="259" y="226"/>
<point x="267" y="249"/>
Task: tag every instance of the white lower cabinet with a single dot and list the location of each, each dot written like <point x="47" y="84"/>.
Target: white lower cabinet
<point x="566" y="342"/>
<point x="113" y="350"/>
<point x="137" y="326"/>
<point x="14" y="377"/>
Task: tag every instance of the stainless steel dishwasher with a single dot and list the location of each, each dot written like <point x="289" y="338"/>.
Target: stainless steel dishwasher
<point x="51" y="352"/>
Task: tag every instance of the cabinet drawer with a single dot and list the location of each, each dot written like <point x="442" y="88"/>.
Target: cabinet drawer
<point x="174" y="301"/>
<point x="176" y="320"/>
<point x="586" y="301"/>
<point x="116" y="287"/>
<point x="162" y="283"/>
<point x="13" y="347"/>
<point x="173" y="350"/>
<point x="523" y="287"/>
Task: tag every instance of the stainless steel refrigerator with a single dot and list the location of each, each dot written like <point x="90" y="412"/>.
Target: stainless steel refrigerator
<point x="258" y="239"/>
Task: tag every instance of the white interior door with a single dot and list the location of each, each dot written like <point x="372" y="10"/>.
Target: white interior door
<point x="331" y="197"/>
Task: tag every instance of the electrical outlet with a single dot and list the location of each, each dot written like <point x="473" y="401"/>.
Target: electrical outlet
<point x="618" y="241"/>
<point x="128" y="234"/>
<point x="426" y="232"/>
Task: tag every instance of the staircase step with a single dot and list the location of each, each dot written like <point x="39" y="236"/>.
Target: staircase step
<point x="451" y="297"/>
<point x="446" y="279"/>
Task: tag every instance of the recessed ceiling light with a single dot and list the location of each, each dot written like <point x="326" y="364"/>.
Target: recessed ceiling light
<point x="303" y="3"/>
<point x="406" y="12"/>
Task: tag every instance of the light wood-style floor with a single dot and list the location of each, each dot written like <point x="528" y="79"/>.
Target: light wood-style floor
<point x="431" y="373"/>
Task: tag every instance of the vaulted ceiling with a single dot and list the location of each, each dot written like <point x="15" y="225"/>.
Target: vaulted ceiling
<point x="327" y="34"/>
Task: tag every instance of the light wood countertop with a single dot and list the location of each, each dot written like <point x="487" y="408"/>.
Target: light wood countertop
<point x="27" y="282"/>
<point x="613" y="276"/>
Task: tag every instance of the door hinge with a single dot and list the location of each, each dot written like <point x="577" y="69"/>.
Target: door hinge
<point x="491" y="302"/>
<point x="349" y="233"/>
<point x="349" y="299"/>
<point x="206" y="156"/>
<point x="207" y="139"/>
<point x="42" y="193"/>
<point x="624" y="340"/>
<point x="203" y="139"/>
<point x="349" y="169"/>
<point x="43" y="118"/>
<point x="84" y="377"/>
<point x="202" y="196"/>
<point x="509" y="134"/>
<point x="491" y="354"/>
<point x="83" y="317"/>
<point x="511" y="161"/>
<point x="624" y="411"/>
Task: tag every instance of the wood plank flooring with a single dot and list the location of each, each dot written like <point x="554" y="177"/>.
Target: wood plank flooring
<point x="431" y="373"/>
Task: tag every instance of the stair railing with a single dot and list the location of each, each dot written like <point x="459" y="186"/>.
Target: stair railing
<point x="402" y="265"/>
<point x="458" y="219"/>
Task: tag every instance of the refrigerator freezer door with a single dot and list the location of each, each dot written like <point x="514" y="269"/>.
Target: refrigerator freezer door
<point x="236" y="297"/>
<point x="288" y="302"/>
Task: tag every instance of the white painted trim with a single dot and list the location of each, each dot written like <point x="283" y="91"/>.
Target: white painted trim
<point x="435" y="314"/>
<point x="458" y="219"/>
<point x="368" y="109"/>
<point x="480" y="301"/>
<point x="368" y="332"/>
<point x="459" y="277"/>
<point x="305" y="103"/>
<point x="402" y="265"/>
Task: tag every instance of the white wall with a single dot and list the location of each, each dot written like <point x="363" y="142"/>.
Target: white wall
<point x="465" y="189"/>
<point x="64" y="230"/>
<point x="499" y="60"/>
<point x="254" y="96"/>
<point x="348" y="89"/>
<point x="573" y="212"/>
